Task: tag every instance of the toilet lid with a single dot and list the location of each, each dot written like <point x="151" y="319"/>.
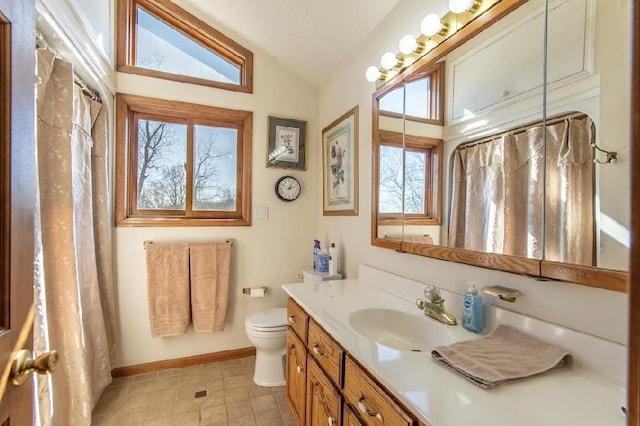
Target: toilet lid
<point x="274" y="318"/>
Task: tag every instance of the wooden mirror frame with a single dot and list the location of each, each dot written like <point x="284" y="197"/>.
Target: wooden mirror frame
<point x="544" y="269"/>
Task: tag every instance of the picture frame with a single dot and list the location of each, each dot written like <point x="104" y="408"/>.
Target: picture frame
<point x="340" y="165"/>
<point x="287" y="143"/>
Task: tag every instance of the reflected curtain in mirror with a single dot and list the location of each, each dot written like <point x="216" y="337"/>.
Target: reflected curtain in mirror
<point x="570" y="233"/>
<point x="498" y="188"/>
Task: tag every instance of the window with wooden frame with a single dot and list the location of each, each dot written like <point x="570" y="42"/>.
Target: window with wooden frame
<point x="420" y="189"/>
<point x="421" y="99"/>
<point x="181" y="164"/>
<point x="159" y="39"/>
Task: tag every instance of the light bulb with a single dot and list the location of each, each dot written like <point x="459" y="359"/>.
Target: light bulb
<point x="459" y="6"/>
<point x="407" y="44"/>
<point x="372" y="74"/>
<point x="388" y="61"/>
<point x="431" y="25"/>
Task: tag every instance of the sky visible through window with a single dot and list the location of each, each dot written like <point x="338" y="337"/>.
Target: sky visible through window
<point x="162" y="48"/>
<point x="415" y="99"/>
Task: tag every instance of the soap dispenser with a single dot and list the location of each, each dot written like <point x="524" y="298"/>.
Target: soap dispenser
<point x="473" y="314"/>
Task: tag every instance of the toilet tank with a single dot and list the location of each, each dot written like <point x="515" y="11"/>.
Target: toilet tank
<point x="310" y="276"/>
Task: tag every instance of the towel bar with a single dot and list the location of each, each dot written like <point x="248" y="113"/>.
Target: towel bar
<point x="145" y="243"/>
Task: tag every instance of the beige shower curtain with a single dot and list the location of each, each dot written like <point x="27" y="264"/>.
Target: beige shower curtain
<point x="498" y="193"/>
<point x="74" y="288"/>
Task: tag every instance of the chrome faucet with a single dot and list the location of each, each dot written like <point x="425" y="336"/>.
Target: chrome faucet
<point x="433" y="306"/>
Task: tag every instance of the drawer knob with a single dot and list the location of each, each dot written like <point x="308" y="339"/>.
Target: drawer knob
<point x="299" y="369"/>
<point x="292" y="319"/>
<point x="317" y="350"/>
<point x="368" y="412"/>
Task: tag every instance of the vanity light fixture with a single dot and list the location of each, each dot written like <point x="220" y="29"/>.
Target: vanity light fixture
<point x="389" y="60"/>
<point x="459" y="6"/>
<point x="432" y="25"/>
<point x="408" y="44"/>
<point x="434" y="30"/>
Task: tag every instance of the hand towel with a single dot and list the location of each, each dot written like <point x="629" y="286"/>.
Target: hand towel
<point x="210" y="265"/>
<point x="168" y="288"/>
<point x="506" y="354"/>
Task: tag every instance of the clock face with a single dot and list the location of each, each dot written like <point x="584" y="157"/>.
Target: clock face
<point x="288" y="188"/>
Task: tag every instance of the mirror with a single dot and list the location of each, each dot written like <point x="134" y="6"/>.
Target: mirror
<point x="588" y="79"/>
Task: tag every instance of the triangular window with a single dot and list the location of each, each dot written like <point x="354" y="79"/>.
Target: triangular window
<point x="159" y="39"/>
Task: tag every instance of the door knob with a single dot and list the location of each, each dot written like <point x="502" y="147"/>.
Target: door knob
<point x="23" y="365"/>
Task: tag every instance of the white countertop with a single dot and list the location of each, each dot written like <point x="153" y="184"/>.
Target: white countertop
<point x="437" y="396"/>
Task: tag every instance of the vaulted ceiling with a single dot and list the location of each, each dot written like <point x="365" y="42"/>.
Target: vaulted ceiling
<point x="308" y="37"/>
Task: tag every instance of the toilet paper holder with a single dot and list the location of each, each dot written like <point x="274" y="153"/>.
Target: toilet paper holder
<point x="247" y="290"/>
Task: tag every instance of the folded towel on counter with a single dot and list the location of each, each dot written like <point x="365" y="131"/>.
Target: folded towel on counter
<point x="210" y="265"/>
<point x="505" y="354"/>
<point x="168" y="288"/>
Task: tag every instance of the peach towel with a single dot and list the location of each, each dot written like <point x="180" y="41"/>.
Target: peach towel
<point x="505" y="354"/>
<point x="210" y="265"/>
<point x="168" y="288"/>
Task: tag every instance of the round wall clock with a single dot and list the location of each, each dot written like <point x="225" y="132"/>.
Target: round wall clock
<point x="288" y="188"/>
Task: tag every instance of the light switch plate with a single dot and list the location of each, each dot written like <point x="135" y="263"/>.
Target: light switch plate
<point x="261" y="213"/>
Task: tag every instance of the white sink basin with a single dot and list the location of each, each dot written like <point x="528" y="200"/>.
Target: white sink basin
<point x="400" y="330"/>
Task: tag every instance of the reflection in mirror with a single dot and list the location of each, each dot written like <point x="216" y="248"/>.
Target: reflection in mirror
<point x="498" y="192"/>
<point x="410" y="158"/>
<point x="494" y="83"/>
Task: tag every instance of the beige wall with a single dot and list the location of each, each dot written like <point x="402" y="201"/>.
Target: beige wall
<point x="599" y="312"/>
<point x="268" y="253"/>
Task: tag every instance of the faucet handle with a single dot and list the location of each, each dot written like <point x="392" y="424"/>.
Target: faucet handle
<point x="432" y="293"/>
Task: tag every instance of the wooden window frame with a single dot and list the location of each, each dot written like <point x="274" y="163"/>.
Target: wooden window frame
<point x="129" y="108"/>
<point x="436" y="96"/>
<point x="191" y="27"/>
<point x="433" y="175"/>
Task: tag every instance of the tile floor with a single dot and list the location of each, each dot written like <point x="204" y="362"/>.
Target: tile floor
<point x="168" y="397"/>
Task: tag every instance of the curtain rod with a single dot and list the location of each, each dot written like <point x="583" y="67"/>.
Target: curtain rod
<point x="521" y="129"/>
<point x="41" y="43"/>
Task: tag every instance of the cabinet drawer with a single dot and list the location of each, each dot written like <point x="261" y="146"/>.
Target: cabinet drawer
<point x="298" y="319"/>
<point x="324" y="403"/>
<point x="326" y="352"/>
<point x="373" y="404"/>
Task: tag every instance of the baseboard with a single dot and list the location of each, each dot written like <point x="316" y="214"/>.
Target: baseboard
<point x="150" y="367"/>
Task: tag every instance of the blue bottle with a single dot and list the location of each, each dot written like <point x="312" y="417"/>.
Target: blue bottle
<point x="473" y="314"/>
<point x="316" y="254"/>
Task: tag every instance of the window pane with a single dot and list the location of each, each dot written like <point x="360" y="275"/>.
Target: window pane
<point x="162" y="48"/>
<point x="393" y="101"/>
<point x="214" y="168"/>
<point x="162" y="152"/>
<point x="390" y="193"/>
<point x="417" y="98"/>
<point x="414" y="184"/>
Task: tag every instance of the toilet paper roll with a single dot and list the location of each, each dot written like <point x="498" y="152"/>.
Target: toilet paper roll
<point x="256" y="292"/>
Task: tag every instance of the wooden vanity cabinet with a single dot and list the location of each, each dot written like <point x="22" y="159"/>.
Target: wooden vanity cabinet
<point x="296" y="373"/>
<point x="350" y="417"/>
<point x="327" y="353"/>
<point x="374" y="404"/>
<point x="324" y="402"/>
<point x="298" y="319"/>
<point x="325" y="386"/>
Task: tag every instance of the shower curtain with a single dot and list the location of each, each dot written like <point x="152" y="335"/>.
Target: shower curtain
<point x="498" y="194"/>
<point x="74" y="285"/>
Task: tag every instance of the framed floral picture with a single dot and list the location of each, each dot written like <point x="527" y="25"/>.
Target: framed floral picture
<point x="340" y="165"/>
<point x="286" y="143"/>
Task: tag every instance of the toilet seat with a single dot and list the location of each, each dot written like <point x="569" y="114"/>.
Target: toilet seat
<point x="270" y="320"/>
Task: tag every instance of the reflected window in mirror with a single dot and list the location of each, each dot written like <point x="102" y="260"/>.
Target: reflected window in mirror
<point x="420" y="99"/>
<point x="421" y="181"/>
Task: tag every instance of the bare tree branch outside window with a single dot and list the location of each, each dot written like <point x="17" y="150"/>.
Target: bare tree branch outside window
<point x="391" y="184"/>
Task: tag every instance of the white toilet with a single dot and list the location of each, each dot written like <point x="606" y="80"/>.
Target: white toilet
<point x="267" y="331"/>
